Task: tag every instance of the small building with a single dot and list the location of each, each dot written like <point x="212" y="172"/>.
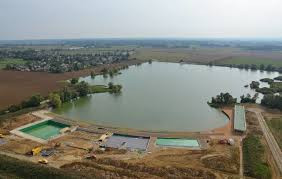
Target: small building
<point x="239" y="119"/>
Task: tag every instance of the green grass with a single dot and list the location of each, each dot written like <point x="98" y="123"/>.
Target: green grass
<point x="250" y="60"/>
<point x="99" y="89"/>
<point x="253" y="155"/>
<point x="4" y="62"/>
<point x="275" y="126"/>
<point x="277" y="85"/>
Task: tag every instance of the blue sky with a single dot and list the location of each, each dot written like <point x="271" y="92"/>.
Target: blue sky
<point x="45" y="19"/>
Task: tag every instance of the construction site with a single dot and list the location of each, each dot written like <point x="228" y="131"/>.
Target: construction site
<point x="47" y="139"/>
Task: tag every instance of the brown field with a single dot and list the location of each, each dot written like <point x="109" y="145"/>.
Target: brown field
<point x="16" y="86"/>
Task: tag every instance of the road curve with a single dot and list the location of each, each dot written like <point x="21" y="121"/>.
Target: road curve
<point x="274" y="147"/>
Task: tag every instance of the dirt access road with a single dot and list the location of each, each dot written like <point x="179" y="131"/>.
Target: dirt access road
<point x="274" y="147"/>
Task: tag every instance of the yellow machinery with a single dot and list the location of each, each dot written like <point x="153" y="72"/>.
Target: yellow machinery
<point x="43" y="161"/>
<point x="36" y="150"/>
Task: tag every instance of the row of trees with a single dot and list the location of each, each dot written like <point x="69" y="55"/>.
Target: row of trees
<point x="248" y="98"/>
<point x="73" y="91"/>
<point x="222" y="99"/>
<point x="272" y="101"/>
<point x="226" y="99"/>
<point x="78" y="89"/>
<point x="261" y="67"/>
<point x="33" y="101"/>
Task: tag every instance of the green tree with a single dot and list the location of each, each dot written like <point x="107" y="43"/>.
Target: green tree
<point x="111" y="73"/>
<point x="254" y="85"/>
<point x="33" y="101"/>
<point x="55" y="100"/>
<point x="92" y="74"/>
<point x="222" y="99"/>
<point x="248" y="98"/>
<point x="261" y="67"/>
<point x="83" y="88"/>
<point x="110" y="84"/>
<point x="253" y="67"/>
<point x="116" y="89"/>
<point x="74" y="80"/>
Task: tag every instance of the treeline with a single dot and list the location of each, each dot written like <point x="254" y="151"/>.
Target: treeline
<point x="33" y="101"/>
<point x="76" y="89"/>
<point x="248" y="98"/>
<point x="222" y="99"/>
<point x="274" y="87"/>
<point x="260" y="67"/>
<point x="272" y="101"/>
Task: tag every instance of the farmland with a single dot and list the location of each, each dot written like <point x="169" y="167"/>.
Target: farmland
<point x="275" y="125"/>
<point x="216" y="56"/>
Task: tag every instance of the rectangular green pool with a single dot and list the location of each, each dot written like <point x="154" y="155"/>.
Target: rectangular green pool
<point x="45" y="130"/>
<point x="177" y="142"/>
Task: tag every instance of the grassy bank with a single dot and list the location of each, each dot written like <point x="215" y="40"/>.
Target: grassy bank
<point x="14" y="168"/>
<point x="99" y="89"/>
<point x="253" y="155"/>
<point x="275" y="125"/>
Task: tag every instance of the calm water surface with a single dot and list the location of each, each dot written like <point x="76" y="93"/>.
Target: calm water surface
<point x="163" y="97"/>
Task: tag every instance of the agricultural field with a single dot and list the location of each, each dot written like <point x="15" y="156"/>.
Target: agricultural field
<point x="189" y="55"/>
<point x="275" y="125"/>
<point x="256" y="163"/>
<point x="203" y="55"/>
<point x="4" y="62"/>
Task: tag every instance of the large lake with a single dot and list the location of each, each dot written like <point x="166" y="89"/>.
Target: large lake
<point x="163" y="97"/>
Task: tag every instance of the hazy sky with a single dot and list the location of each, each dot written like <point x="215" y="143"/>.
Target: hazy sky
<point x="43" y="19"/>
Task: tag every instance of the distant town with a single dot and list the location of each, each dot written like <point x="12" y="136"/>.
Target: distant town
<point x="55" y="61"/>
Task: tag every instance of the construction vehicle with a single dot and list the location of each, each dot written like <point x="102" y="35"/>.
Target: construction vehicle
<point x="90" y="157"/>
<point x="43" y="161"/>
<point x="36" y="150"/>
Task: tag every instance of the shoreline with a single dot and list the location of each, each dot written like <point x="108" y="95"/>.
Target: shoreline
<point x="97" y="128"/>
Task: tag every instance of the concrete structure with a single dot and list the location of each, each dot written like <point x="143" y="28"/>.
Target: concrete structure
<point x="127" y="142"/>
<point x="19" y="132"/>
<point x="239" y="119"/>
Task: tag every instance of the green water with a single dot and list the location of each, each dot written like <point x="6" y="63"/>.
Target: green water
<point x="177" y="142"/>
<point x="163" y="97"/>
<point x="44" y="130"/>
